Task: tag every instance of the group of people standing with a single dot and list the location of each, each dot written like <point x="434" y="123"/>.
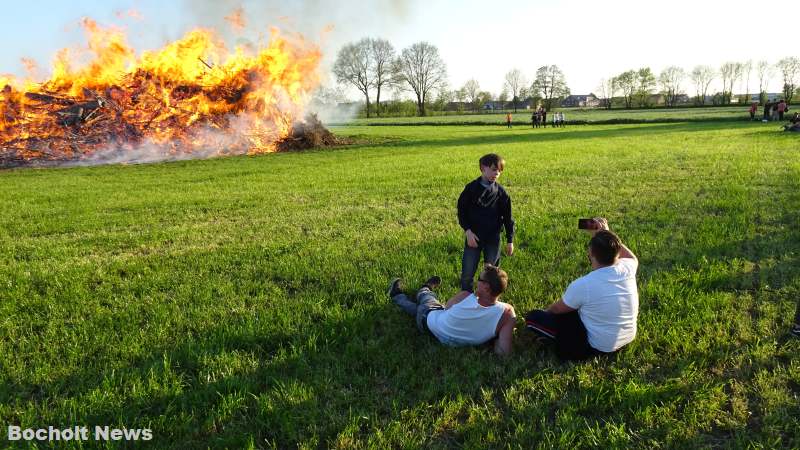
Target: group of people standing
<point x="596" y="315"/>
<point x="539" y="118"/>
<point x="772" y="110"/>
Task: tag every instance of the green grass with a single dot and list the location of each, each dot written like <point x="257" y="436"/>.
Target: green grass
<point x="240" y="302"/>
<point x="576" y="115"/>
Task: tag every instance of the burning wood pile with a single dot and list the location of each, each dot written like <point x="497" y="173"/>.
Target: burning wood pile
<point x="189" y="98"/>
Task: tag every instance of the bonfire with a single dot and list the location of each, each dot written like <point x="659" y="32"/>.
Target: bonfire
<point x="190" y="98"/>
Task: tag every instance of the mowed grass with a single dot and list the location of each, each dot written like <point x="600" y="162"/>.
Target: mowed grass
<point x="580" y="115"/>
<point x="240" y="302"/>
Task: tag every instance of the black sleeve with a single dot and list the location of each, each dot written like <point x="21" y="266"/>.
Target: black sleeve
<point x="463" y="206"/>
<point x="508" y="220"/>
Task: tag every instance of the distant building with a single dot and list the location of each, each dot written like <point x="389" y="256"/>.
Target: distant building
<point x="771" y="97"/>
<point x="458" y="106"/>
<point x="493" y="105"/>
<point x="580" y="101"/>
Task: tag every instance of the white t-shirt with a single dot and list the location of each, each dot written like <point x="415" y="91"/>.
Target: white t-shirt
<point x="608" y="303"/>
<point x="466" y="322"/>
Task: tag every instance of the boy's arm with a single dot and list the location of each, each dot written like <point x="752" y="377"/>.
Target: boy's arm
<point x="508" y="222"/>
<point x="463" y="218"/>
<point x="503" y="345"/>
<point x="457" y="299"/>
<point x="462" y="205"/>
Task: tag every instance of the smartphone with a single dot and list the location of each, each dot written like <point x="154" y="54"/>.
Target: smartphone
<point x="586" y="224"/>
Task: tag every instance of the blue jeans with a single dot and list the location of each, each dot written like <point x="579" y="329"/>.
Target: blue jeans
<point x="425" y="303"/>
<point x="471" y="258"/>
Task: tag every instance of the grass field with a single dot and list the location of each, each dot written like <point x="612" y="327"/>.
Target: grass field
<point x="578" y="115"/>
<point x="240" y="302"/>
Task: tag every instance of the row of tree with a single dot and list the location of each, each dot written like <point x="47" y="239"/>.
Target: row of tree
<point x="374" y="64"/>
<point x="636" y="87"/>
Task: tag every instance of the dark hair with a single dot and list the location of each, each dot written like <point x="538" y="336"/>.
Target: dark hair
<point x="605" y="246"/>
<point x="495" y="277"/>
<point x="492" y="159"/>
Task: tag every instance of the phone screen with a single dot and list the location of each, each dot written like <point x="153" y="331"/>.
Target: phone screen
<point x="586" y="224"/>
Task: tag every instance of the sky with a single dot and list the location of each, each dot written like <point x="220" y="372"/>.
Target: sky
<point x="589" y="40"/>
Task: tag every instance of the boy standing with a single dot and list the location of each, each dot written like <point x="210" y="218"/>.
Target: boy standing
<point x="483" y="208"/>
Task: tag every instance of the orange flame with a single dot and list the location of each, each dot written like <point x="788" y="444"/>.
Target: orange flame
<point x="192" y="94"/>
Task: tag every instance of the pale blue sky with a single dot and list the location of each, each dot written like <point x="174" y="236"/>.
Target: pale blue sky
<point x="588" y="39"/>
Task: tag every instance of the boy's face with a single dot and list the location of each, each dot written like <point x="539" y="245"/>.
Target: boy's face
<point x="490" y="173"/>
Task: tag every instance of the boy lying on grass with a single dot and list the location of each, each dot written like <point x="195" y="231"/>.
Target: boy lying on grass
<point x="467" y="318"/>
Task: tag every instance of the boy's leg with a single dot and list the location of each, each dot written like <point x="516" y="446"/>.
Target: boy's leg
<point x="397" y="295"/>
<point x="795" y="330"/>
<point x="572" y="343"/>
<point x="469" y="264"/>
<point x="797" y="314"/>
<point x="491" y="253"/>
<point x="542" y="323"/>
<point x="405" y="304"/>
<point x="427" y="302"/>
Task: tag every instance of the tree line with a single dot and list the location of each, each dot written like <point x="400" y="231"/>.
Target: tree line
<point x="372" y="65"/>
<point x="636" y="87"/>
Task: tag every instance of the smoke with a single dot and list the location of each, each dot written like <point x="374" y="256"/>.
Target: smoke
<point x="330" y="24"/>
<point x="233" y="141"/>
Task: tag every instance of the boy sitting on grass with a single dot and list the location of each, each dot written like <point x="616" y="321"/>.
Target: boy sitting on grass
<point x="484" y="208"/>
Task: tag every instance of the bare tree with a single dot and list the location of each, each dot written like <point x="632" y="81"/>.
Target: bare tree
<point x="515" y="81"/>
<point x="607" y="88"/>
<point x="747" y="70"/>
<point x="670" y="80"/>
<point x="472" y="89"/>
<point x="702" y="76"/>
<point x="352" y="66"/>
<point x="729" y="72"/>
<point x="789" y="69"/>
<point x="421" y="67"/>
<point x="382" y="57"/>
<point x="764" y="74"/>
<point x="627" y="85"/>
<point x="550" y="84"/>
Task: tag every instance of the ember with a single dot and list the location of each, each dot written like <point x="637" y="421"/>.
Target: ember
<point x="191" y="97"/>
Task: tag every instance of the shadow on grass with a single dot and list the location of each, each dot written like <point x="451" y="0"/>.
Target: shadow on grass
<point x="500" y="137"/>
<point x="356" y="365"/>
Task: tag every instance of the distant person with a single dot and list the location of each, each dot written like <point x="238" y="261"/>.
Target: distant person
<point x="597" y="313"/>
<point x="508" y="120"/>
<point x="555" y="120"/>
<point x="781" y="108"/>
<point x="534" y="119"/>
<point x="561" y="120"/>
<point x="753" y="109"/>
<point x="467" y="319"/>
<point x="767" y="112"/>
<point x="544" y="116"/>
<point x="484" y="208"/>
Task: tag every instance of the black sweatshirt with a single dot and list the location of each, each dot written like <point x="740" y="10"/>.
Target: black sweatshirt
<point x="484" y="210"/>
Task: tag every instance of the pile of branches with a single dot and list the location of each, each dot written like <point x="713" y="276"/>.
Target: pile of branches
<point x="51" y="125"/>
<point x="310" y="133"/>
